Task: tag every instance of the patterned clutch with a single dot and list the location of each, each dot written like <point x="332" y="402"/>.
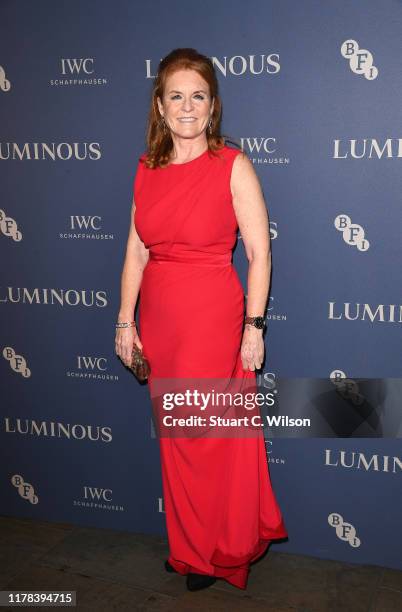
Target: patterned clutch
<point x="139" y="364"/>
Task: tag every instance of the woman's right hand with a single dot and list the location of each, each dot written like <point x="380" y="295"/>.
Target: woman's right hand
<point x="125" y="339"/>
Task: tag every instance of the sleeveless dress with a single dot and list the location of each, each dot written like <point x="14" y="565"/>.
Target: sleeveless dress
<point x="220" y="509"/>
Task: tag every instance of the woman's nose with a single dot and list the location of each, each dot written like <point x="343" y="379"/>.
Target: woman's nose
<point x="187" y="104"/>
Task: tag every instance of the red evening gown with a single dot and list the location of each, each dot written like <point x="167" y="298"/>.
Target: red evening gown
<point x="221" y="511"/>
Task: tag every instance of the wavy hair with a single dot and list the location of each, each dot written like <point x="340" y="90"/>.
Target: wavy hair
<point x="159" y="142"/>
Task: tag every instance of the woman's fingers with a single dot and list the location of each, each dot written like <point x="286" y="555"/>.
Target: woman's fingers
<point x="252" y="353"/>
<point x="127" y="354"/>
<point x="138" y="341"/>
<point x="247" y="358"/>
<point x="258" y="359"/>
<point x="124" y="342"/>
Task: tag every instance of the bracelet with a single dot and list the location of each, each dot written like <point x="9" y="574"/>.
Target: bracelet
<point x="131" y="324"/>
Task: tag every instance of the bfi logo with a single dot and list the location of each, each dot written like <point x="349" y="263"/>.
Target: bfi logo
<point x="345" y="531"/>
<point x="25" y="489"/>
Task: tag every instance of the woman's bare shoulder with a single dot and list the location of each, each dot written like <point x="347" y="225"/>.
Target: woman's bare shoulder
<point x="243" y="173"/>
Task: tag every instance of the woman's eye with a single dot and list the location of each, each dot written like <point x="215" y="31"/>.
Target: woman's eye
<point x="198" y="96"/>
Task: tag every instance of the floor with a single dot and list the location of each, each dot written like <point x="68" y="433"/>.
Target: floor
<point x="114" y="570"/>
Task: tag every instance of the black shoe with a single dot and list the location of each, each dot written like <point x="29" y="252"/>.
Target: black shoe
<point x="196" y="582"/>
<point x="169" y="568"/>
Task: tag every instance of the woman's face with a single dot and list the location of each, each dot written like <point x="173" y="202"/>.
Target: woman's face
<point x="186" y="105"/>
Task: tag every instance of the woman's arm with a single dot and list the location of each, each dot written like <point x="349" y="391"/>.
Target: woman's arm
<point x="252" y="217"/>
<point x="136" y="259"/>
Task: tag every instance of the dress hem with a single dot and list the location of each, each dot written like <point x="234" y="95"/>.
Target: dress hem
<point x="234" y="570"/>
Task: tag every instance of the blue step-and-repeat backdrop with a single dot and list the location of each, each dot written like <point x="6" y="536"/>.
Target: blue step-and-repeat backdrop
<point x="311" y="92"/>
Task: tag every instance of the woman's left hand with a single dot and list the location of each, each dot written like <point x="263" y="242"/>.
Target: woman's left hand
<point x="252" y="348"/>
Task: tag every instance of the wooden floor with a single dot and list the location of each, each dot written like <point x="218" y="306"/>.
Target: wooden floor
<point x="112" y="570"/>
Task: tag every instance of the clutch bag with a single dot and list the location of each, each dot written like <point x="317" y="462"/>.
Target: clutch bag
<point x="139" y="364"/>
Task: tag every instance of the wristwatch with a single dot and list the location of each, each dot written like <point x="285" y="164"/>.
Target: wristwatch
<point x="258" y="322"/>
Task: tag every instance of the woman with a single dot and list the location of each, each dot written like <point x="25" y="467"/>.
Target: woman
<point x="192" y="193"/>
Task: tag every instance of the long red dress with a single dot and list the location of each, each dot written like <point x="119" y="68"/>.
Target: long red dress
<point x="221" y="512"/>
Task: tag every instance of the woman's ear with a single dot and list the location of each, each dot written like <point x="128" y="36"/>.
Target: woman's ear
<point x="160" y="107"/>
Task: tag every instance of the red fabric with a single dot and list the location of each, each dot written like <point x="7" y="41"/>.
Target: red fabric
<point x="221" y="512"/>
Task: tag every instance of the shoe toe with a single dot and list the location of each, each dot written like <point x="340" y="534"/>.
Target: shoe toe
<point x="196" y="582"/>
